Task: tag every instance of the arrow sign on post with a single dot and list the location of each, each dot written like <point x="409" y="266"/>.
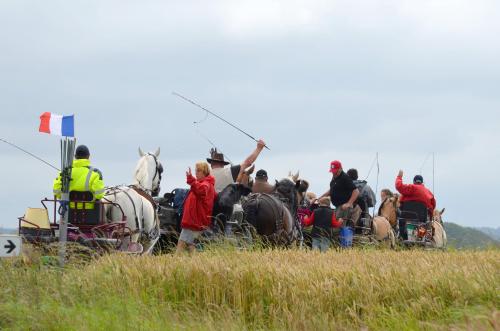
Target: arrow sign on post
<point x="10" y="245"/>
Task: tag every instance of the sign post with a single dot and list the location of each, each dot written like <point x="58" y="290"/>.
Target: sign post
<point x="10" y="245"/>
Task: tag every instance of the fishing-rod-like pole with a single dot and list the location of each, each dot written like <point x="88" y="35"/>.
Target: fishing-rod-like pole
<point x="433" y="167"/>
<point x="30" y="154"/>
<point x="211" y="143"/>
<point x="215" y="115"/>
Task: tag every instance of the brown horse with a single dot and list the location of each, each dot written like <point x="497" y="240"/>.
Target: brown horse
<point x="273" y="216"/>
<point x="383" y="224"/>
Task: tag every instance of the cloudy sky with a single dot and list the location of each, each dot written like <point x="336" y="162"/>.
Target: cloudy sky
<point x="317" y="80"/>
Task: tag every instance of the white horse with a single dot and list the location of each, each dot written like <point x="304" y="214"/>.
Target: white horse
<point x="135" y="202"/>
<point x="439" y="238"/>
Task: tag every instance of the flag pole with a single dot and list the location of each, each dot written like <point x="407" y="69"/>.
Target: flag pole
<point x="67" y="152"/>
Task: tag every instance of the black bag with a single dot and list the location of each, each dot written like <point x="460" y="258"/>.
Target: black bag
<point x="366" y="193"/>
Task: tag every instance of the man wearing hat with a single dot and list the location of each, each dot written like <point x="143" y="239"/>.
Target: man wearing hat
<point x="261" y="185"/>
<point x="226" y="176"/>
<point x="84" y="178"/>
<point x="415" y="192"/>
<point x="343" y="194"/>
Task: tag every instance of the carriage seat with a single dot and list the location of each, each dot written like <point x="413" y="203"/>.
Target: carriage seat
<point x="34" y="226"/>
<point x="414" y="211"/>
<point x="84" y="209"/>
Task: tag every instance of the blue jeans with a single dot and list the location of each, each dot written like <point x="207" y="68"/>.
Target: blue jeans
<point x="321" y="243"/>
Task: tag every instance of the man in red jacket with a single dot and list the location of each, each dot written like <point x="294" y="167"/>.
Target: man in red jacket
<point x="415" y="192"/>
<point x="198" y="206"/>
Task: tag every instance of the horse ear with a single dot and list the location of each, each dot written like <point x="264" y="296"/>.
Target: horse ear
<point x="296" y="176"/>
<point x="141" y="153"/>
<point x="277" y="183"/>
<point x="157" y="153"/>
<point x="442" y="211"/>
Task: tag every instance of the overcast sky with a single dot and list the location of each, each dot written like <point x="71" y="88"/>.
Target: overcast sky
<point x="317" y="80"/>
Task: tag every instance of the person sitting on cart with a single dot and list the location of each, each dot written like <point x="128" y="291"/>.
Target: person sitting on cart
<point x="366" y="198"/>
<point x="343" y="194"/>
<point x="385" y="194"/>
<point x="325" y="225"/>
<point x="84" y="178"/>
<point x="415" y="192"/>
<point x="261" y="185"/>
<point x="226" y="176"/>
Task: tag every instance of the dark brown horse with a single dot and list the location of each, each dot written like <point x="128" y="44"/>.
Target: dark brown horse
<point x="274" y="216"/>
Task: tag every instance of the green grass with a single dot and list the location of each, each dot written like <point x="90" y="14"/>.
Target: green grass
<point x="265" y="289"/>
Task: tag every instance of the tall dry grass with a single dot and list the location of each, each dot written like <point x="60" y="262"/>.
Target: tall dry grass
<point x="268" y="289"/>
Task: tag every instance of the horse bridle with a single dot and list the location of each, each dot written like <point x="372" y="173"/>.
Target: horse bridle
<point x="158" y="172"/>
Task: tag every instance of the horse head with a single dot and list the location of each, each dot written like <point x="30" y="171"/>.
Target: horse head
<point x="232" y="194"/>
<point x="225" y="201"/>
<point x="388" y="209"/>
<point x="148" y="172"/>
<point x="437" y="216"/>
<point x="288" y="189"/>
<point x="244" y="175"/>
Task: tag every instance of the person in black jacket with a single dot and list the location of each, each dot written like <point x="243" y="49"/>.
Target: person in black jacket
<point x="343" y="194"/>
<point x="323" y="220"/>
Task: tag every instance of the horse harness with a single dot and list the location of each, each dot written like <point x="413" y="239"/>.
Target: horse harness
<point x="257" y="198"/>
<point x="142" y="193"/>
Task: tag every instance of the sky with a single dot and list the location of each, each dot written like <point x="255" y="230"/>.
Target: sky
<point x="415" y="81"/>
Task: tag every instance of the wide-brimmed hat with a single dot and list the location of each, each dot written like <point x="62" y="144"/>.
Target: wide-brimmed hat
<point x="216" y="157"/>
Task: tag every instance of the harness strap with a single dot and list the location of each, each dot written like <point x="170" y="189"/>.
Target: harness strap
<point x="135" y="210"/>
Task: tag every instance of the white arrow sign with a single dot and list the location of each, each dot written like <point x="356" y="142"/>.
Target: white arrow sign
<point x="10" y="245"/>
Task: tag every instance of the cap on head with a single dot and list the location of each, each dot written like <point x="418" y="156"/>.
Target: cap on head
<point x="82" y="152"/>
<point x="335" y="166"/>
<point x="261" y="174"/>
<point x="418" y="179"/>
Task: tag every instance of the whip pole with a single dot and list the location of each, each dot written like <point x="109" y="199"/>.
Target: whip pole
<point x="30" y="154"/>
<point x="215" y="115"/>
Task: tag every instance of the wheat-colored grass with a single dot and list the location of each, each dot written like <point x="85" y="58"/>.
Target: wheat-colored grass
<point x="264" y="289"/>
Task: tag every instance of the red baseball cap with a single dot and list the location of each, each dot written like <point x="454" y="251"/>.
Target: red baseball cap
<point x="335" y="165"/>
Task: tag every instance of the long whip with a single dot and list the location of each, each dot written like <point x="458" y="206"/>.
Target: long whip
<point x="215" y="115"/>
<point x="30" y="154"/>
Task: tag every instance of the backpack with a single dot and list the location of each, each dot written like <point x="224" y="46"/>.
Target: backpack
<point x="180" y="195"/>
<point x="366" y="193"/>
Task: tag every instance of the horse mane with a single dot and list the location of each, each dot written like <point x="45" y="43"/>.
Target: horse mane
<point x="142" y="176"/>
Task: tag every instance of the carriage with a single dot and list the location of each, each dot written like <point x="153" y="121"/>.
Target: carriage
<point x="416" y="228"/>
<point x="87" y="224"/>
<point x="125" y="219"/>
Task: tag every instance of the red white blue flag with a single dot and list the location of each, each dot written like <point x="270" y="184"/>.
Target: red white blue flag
<point x="59" y="125"/>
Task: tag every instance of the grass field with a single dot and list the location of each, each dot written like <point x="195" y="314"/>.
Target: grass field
<point x="268" y="289"/>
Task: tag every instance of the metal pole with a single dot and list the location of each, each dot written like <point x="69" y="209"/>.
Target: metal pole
<point x="433" y="167"/>
<point x="67" y="151"/>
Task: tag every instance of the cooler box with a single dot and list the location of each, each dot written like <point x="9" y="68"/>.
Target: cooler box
<point x="412" y="231"/>
<point x="346" y="235"/>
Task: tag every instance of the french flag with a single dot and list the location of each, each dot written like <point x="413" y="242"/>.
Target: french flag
<point x="57" y="124"/>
